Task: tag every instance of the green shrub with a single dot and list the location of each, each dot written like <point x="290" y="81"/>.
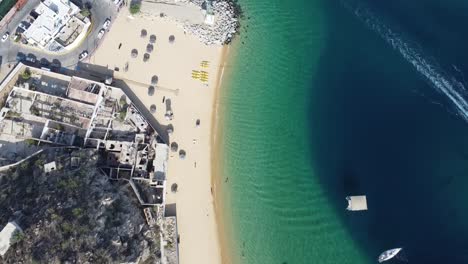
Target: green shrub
<point x="122" y="114"/>
<point x="77" y="212"/>
<point x="30" y="141"/>
<point x="34" y="110"/>
<point x="67" y="228"/>
<point x="68" y="184"/>
<point x="85" y="12"/>
<point x="26" y="75"/>
<point x="56" y="217"/>
<point x="17" y="237"/>
<point x="12" y="114"/>
<point x="135" y="8"/>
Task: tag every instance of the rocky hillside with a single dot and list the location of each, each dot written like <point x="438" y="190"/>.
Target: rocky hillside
<point x="74" y="214"/>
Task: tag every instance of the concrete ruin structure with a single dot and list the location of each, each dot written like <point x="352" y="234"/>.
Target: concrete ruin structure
<point x="41" y="109"/>
<point x="7" y="235"/>
<point x="50" y="167"/>
<point x="45" y="109"/>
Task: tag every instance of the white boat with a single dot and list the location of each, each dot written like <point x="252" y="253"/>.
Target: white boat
<point x="389" y="254"/>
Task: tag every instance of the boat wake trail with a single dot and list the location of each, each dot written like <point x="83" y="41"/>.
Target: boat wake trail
<point x="440" y="80"/>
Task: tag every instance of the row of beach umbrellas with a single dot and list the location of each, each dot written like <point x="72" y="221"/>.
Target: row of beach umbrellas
<point x="152" y="38"/>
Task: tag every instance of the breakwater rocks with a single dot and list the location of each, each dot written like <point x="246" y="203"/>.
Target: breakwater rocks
<point x="221" y="21"/>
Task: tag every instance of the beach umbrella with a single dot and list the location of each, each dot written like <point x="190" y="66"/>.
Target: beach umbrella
<point x="134" y="53"/>
<point x="169" y="115"/>
<point x="153" y="108"/>
<point x="150" y="90"/>
<point x="174" y="187"/>
<point x="143" y="33"/>
<point x="170" y="129"/>
<point x="146" y="57"/>
<point x="171" y="39"/>
<point x="152" y="39"/>
<point x="174" y="147"/>
<point x="149" y="48"/>
<point x="154" y="80"/>
<point x="182" y="154"/>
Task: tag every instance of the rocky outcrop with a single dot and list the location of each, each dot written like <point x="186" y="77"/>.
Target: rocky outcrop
<point x="74" y="215"/>
<point x="225" y="22"/>
<point x="221" y="19"/>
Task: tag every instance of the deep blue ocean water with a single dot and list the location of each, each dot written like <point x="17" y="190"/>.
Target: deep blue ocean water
<point x="392" y="122"/>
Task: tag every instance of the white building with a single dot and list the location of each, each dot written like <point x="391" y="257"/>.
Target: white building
<point x="6" y="235"/>
<point x="53" y="16"/>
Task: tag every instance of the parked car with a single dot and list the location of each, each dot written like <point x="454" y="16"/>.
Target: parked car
<point x="106" y="24"/>
<point x="44" y="62"/>
<point x="5" y="36"/>
<point x="101" y="33"/>
<point x="83" y="55"/>
<point x="20" y="56"/>
<point x="24" y="25"/>
<point x="30" y="58"/>
<point x="55" y="65"/>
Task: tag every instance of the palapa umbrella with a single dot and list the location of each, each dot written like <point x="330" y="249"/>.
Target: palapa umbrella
<point x="149" y="48"/>
<point x="170" y="129"/>
<point x="150" y="90"/>
<point x="174" y="147"/>
<point x="134" y="53"/>
<point x="154" y="80"/>
<point x="171" y="39"/>
<point x="182" y="154"/>
<point x="174" y="187"/>
<point x="153" y="108"/>
<point x="146" y="57"/>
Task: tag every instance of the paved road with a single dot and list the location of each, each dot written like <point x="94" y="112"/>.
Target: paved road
<point x="101" y="10"/>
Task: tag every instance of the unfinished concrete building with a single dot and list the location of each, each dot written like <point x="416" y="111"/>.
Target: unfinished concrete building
<point x="44" y="108"/>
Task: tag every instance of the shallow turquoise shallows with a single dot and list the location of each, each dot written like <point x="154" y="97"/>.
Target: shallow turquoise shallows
<point x="279" y="210"/>
<point x="329" y="98"/>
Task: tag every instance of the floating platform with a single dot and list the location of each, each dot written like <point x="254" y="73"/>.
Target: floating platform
<point x="357" y="203"/>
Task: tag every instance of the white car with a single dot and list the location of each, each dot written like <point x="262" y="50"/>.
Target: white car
<point x="106" y="24"/>
<point x="83" y="55"/>
<point x="5" y="37"/>
<point x="101" y="33"/>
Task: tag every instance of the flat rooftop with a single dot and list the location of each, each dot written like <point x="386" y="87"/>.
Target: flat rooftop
<point x="6" y="235"/>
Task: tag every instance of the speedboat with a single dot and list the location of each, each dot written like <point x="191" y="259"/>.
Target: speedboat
<point x="389" y="254"/>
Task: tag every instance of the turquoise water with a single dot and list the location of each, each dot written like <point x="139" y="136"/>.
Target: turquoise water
<point x="326" y="99"/>
<point x="280" y="211"/>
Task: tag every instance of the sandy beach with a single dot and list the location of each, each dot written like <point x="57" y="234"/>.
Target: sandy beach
<point x="216" y="154"/>
<point x="189" y="99"/>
